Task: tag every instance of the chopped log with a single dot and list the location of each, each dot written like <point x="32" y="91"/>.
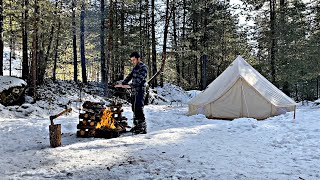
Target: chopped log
<point x="86" y="115"/>
<point x="83" y="127"/>
<point x="82" y="132"/>
<point x="83" y="116"/>
<point x="92" y="133"/>
<point x="93" y="117"/>
<point x="55" y="135"/>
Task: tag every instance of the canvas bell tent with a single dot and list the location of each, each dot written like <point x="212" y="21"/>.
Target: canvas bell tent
<point x="241" y="91"/>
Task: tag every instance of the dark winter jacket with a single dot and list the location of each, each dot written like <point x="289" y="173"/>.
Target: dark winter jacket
<point x="138" y="76"/>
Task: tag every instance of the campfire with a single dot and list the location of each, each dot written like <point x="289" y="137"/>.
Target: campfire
<point x="106" y="120"/>
<point x="101" y="121"/>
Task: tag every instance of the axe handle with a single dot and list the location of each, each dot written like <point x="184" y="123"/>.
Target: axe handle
<point x="57" y="115"/>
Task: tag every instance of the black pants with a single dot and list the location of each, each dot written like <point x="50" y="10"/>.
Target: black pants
<point x="137" y="101"/>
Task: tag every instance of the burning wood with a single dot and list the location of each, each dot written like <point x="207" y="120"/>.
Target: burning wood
<point x="106" y="120"/>
<point x="99" y="121"/>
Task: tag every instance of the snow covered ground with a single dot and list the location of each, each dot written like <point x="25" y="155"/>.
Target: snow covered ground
<point x="171" y="94"/>
<point x="176" y="147"/>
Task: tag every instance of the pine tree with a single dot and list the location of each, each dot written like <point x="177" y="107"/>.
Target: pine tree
<point x="74" y="42"/>
<point x="25" y="61"/>
<point x="1" y="37"/>
<point x="102" y="42"/>
<point x="35" y="46"/>
<point x="82" y="46"/>
<point x="153" y="43"/>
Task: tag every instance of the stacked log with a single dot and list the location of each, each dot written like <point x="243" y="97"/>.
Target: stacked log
<point x="93" y="112"/>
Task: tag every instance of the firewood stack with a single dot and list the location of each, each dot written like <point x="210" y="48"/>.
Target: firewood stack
<point x="102" y="122"/>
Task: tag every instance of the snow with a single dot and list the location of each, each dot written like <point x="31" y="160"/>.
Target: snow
<point x="52" y="99"/>
<point x="16" y="64"/>
<point x="193" y="93"/>
<point x="6" y="82"/>
<point x="176" y="146"/>
<point x="316" y="102"/>
<point x="171" y="94"/>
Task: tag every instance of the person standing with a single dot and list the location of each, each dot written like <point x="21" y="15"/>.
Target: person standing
<point x="137" y="77"/>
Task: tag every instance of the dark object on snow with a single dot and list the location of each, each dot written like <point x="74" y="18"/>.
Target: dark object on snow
<point x="101" y="122"/>
<point x="55" y="129"/>
<point x="12" y="91"/>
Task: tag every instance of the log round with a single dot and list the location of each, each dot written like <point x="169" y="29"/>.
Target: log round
<point x="55" y="135"/>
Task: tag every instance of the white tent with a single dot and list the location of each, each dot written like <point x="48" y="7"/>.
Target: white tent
<point x="241" y="91"/>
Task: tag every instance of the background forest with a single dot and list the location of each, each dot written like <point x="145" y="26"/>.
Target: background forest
<point x="191" y="41"/>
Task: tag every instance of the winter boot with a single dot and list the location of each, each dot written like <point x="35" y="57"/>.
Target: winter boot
<point x="140" y="127"/>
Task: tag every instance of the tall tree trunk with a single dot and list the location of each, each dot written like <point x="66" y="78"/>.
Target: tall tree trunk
<point x="189" y="74"/>
<point x="204" y="74"/>
<point x="122" y="40"/>
<point x="35" y="53"/>
<point x="154" y="52"/>
<point x="196" y="71"/>
<point x="204" y="57"/>
<point x="57" y="45"/>
<point x="45" y="58"/>
<point x="25" y="61"/>
<point x="74" y="42"/>
<point x="273" y="39"/>
<point x="110" y="40"/>
<point x="102" y="46"/>
<point x="164" y="47"/>
<point x="54" y="76"/>
<point x="115" y="42"/>
<point x="1" y="37"/>
<point x="175" y="43"/>
<point x="115" y="56"/>
<point x="282" y="14"/>
<point x="11" y="42"/>
<point x="12" y="37"/>
<point x="282" y="32"/>
<point x="40" y="58"/>
<point x="183" y="38"/>
<point x="48" y="52"/>
<point x="317" y="87"/>
<point x="195" y="58"/>
<point x="82" y="47"/>
<point x="147" y="26"/>
<point x="140" y="30"/>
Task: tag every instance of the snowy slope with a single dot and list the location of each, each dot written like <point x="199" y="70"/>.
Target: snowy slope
<point x="171" y="94"/>
<point x="52" y="99"/>
<point x="176" y="147"/>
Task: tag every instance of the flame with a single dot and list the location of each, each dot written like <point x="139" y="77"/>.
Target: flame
<point x="106" y="120"/>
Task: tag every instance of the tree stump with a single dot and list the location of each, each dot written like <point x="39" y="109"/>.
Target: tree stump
<point x="55" y="135"/>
